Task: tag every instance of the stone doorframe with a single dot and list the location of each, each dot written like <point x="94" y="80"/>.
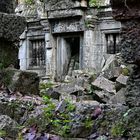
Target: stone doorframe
<point x="60" y="54"/>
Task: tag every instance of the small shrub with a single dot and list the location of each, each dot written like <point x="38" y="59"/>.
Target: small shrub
<point x="53" y="121"/>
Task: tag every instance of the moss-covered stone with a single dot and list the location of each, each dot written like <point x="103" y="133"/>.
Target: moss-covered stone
<point x="127" y="125"/>
<point x="8" y="54"/>
<point x="22" y="81"/>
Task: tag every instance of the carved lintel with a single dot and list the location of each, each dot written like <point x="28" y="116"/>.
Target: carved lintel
<point x="67" y="26"/>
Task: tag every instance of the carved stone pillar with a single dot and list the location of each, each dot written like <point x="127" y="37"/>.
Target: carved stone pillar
<point x="48" y="55"/>
<point x="128" y="12"/>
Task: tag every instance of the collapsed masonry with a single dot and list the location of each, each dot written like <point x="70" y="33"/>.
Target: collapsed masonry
<point x="129" y="15"/>
<point x="65" y="35"/>
<point x="11" y="26"/>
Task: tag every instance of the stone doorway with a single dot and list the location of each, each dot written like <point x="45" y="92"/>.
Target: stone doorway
<point x="68" y="56"/>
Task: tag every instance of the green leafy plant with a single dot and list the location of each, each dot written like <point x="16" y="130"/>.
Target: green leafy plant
<point x="88" y="122"/>
<point x="52" y="120"/>
<point x="95" y="3"/>
<point x="59" y="121"/>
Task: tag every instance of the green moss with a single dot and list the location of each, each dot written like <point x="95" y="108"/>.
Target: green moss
<point x="2" y="133"/>
<point x="125" y="71"/>
<point x="118" y="129"/>
<point x="6" y="76"/>
<point x="8" y="54"/>
<point x="95" y="3"/>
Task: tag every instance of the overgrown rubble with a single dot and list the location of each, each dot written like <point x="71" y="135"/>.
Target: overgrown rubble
<point x="85" y="106"/>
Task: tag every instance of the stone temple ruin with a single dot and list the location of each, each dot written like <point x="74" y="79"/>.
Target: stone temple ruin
<point x="66" y="35"/>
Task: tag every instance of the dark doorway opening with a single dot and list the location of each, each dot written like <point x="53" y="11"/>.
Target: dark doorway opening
<point x="68" y="56"/>
<point x="74" y="47"/>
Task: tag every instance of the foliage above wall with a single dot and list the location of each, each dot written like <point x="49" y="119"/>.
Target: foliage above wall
<point x="95" y="2"/>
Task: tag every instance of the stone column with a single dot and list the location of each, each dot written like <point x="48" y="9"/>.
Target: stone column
<point x="128" y="12"/>
<point x="48" y="55"/>
<point x="92" y="51"/>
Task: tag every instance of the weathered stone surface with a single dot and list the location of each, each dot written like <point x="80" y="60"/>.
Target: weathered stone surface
<point x="112" y="67"/>
<point x="54" y="94"/>
<point x="102" y="96"/>
<point x="61" y="106"/>
<point x="67" y="25"/>
<point x="122" y="80"/>
<point x="65" y="13"/>
<point x="74" y="88"/>
<point x="64" y="4"/>
<point x="16" y="80"/>
<point x="8" y="125"/>
<point x="104" y="84"/>
<point x="119" y="97"/>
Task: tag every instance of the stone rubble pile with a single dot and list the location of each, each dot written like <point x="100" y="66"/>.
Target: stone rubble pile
<point x="99" y="106"/>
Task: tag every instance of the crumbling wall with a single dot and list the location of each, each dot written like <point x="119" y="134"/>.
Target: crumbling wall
<point x="128" y="12"/>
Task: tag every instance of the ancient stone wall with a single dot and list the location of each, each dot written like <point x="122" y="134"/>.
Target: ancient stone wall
<point x="127" y="11"/>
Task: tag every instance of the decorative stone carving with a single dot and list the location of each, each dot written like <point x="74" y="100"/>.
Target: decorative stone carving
<point x="64" y="4"/>
<point x="40" y="9"/>
<point x="67" y="26"/>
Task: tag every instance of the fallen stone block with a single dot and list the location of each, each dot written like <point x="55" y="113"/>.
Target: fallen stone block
<point x="102" y="96"/>
<point x="21" y="81"/>
<point x="122" y="80"/>
<point x="119" y="97"/>
<point x="104" y="84"/>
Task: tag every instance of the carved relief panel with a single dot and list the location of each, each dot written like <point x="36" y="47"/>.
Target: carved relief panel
<point x="64" y="26"/>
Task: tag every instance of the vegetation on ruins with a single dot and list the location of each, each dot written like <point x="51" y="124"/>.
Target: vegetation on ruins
<point x="94" y="2"/>
<point x="91" y="2"/>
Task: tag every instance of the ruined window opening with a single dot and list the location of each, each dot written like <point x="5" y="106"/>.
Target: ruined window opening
<point x="112" y="40"/>
<point x="37" y="53"/>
